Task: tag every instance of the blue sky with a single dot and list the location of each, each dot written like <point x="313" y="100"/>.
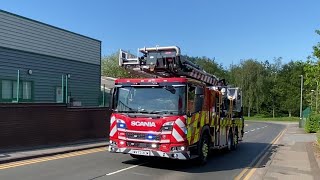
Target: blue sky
<point x="225" y="30"/>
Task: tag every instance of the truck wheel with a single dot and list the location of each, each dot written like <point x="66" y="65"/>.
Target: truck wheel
<point x="203" y="149"/>
<point x="235" y="140"/>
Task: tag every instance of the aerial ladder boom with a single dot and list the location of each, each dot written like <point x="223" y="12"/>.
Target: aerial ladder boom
<point x="165" y="62"/>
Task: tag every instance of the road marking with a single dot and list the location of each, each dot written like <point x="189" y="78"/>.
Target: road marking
<point x="252" y="129"/>
<point x="262" y="154"/>
<point x="251" y="172"/>
<point x="49" y="158"/>
<point x="258" y="128"/>
<point x="124" y="169"/>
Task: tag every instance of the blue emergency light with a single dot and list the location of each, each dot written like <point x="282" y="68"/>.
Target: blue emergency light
<point x="121" y="125"/>
<point x="150" y="136"/>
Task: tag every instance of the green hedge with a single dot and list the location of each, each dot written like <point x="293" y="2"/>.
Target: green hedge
<point x="312" y="123"/>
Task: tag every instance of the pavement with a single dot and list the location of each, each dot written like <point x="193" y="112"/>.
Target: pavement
<point x="98" y="164"/>
<point x="292" y="157"/>
<point x="18" y="154"/>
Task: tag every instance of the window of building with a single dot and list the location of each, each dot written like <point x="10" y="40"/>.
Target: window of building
<point x="6" y="87"/>
<point x="26" y="90"/>
<point x="9" y="91"/>
<point x="14" y="89"/>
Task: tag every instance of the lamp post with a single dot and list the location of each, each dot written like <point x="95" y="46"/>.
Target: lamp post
<point x="317" y="92"/>
<point x="301" y="89"/>
<point x="312" y="91"/>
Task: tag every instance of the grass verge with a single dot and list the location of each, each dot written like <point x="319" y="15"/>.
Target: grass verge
<point x="282" y="119"/>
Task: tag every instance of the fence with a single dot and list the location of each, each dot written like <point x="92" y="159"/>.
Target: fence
<point x="25" y="125"/>
<point x="305" y="114"/>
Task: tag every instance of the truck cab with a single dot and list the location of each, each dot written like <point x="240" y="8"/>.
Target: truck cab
<point x="149" y="117"/>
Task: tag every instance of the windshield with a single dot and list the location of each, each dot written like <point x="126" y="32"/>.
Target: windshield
<point x="157" y="100"/>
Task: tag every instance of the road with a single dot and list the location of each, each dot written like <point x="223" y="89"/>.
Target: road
<point x="101" y="165"/>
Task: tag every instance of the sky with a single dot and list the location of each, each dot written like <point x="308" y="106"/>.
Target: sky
<point x="228" y="31"/>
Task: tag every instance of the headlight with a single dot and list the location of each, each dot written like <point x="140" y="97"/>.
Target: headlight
<point x="121" y="124"/>
<point x="168" y="126"/>
<point x="178" y="148"/>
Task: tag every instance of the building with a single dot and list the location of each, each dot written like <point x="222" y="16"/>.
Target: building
<point x="37" y="60"/>
<point x="107" y="83"/>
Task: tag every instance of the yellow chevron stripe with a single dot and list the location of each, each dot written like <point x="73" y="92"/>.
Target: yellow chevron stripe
<point x="188" y="120"/>
<point x="212" y="121"/>
<point x="196" y="137"/>
<point x="202" y="120"/>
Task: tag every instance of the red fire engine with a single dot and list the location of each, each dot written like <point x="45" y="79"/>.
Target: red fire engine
<point x="174" y="109"/>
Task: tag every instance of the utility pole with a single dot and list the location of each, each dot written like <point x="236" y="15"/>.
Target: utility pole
<point x="312" y="91"/>
<point x="301" y="88"/>
<point x="317" y="92"/>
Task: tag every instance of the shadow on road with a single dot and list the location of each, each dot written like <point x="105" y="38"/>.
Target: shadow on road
<point x="218" y="161"/>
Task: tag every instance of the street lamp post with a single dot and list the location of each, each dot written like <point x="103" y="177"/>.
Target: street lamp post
<point x="317" y="92"/>
<point x="301" y="88"/>
<point x="312" y="91"/>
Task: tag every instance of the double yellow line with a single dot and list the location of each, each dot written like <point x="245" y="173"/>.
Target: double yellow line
<point x="49" y="158"/>
<point x="258" y="159"/>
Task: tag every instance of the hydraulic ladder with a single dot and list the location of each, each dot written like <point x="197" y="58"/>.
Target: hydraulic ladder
<point x="165" y="62"/>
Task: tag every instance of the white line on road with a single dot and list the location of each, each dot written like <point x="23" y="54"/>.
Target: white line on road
<point x="121" y="170"/>
<point x="253" y="130"/>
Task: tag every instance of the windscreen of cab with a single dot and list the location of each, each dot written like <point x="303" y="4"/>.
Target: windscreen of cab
<point x="153" y="100"/>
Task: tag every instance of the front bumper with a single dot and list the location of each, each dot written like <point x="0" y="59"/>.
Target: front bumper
<point x="181" y="155"/>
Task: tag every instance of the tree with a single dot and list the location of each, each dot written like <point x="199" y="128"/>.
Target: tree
<point x="289" y="86"/>
<point x="312" y="71"/>
<point x="316" y="48"/>
<point x="249" y="75"/>
<point x="110" y="67"/>
<point x="271" y="101"/>
<point x="209" y="65"/>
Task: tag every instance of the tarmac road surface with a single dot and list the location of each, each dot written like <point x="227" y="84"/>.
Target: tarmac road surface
<point x="98" y="164"/>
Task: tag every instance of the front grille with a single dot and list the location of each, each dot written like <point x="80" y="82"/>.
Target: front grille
<point x="140" y="145"/>
<point x="141" y="136"/>
<point x="135" y="135"/>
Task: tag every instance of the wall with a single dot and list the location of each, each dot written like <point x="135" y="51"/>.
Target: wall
<point x="84" y="83"/>
<point x="25" y="125"/>
<point x="25" y="34"/>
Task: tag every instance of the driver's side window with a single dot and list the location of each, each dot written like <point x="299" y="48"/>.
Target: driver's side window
<point x="195" y="98"/>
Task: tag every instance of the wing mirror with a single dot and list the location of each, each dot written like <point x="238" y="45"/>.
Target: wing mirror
<point x="189" y="114"/>
<point x="111" y="99"/>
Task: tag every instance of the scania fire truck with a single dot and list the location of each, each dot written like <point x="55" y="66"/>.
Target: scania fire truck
<point x="174" y="109"/>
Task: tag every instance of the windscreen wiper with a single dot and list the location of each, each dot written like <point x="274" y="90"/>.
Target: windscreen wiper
<point x="163" y="112"/>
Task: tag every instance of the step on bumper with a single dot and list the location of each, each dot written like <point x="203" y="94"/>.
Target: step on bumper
<point x="181" y="155"/>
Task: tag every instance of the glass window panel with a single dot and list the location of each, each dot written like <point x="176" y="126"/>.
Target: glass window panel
<point x="26" y="90"/>
<point x="14" y="92"/>
<point x="6" y="89"/>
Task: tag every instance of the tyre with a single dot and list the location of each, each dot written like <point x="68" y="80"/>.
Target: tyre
<point x="230" y="142"/>
<point x="235" y="140"/>
<point x="203" y="149"/>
